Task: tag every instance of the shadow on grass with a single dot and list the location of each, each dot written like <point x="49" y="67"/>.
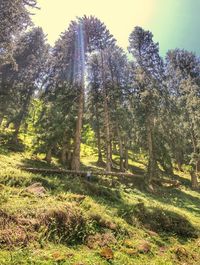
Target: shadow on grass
<point x="38" y="163"/>
<point x="108" y="191"/>
<point x="136" y="170"/>
<point x="102" y="166"/>
<point x="5" y="151"/>
<point x="174" y="197"/>
<point x="177" y="198"/>
<point x="164" y="222"/>
<point x="185" y="182"/>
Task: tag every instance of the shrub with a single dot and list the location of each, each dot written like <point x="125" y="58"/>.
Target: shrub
<point x="64" y="225"/>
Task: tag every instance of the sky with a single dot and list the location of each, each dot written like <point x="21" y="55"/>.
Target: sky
<point x="174" y="23"/>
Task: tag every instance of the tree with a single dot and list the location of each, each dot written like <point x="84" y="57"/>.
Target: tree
<point x="14" y="18"/>
<point x="19" y="85"/>
<point x="183" y="79"/>
<point x="148" y="86"/>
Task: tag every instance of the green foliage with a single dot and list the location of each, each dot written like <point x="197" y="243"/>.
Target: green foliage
<point x="147" y="109"/>
<point x="88" y="135"/>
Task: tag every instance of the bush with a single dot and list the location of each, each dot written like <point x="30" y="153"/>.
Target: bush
<point x="64" y="225"/>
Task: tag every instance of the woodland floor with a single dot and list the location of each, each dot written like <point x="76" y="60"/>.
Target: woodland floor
<point x="108" y="220"/>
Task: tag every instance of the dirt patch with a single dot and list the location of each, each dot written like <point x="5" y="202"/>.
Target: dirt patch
<point x="100" y="240"/>
<point x="13" y="232"/>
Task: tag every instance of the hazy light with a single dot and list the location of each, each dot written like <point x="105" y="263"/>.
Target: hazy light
<point x="174" y="23"/>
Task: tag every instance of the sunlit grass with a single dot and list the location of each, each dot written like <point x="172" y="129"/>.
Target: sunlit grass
<point x="105" y="202"/>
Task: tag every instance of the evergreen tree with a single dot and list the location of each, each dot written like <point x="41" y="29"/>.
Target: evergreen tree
<point x="14" y="18"/>
<point x="148" y="89"/>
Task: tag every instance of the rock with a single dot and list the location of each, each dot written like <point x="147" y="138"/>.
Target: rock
<point x="107" y="253"/>
<point x="36" y="189"/>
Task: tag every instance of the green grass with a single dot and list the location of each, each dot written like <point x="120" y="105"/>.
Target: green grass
<point x="118" y="213"/>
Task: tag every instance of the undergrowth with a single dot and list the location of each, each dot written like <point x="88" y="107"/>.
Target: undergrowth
<point x="107" y="220"/>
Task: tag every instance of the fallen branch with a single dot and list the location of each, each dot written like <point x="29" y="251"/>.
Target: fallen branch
<point x="80" y="173"/>
<point x="89" y="173"/>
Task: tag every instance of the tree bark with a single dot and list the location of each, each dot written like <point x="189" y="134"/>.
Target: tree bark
<point x="195" y="163"/>
<point x="108" y="142"/>
<point x="194" y="180"/>
<point x="17" y="123"/>
<point x="115" y="148"/>
<point x="1" y="119"/>
<point x="64" y="150"/>
<point x="106" y="119"/>
<point x="126" y="155"/>
<point x="121" y="153"/>
<point x="48" y="157"/>
<point x="69" y="159"/>
<point x="179" y="163"/>
<point x="152" y="164"/>
<point x="98" y="135"/>
<point x="77" y="141"/>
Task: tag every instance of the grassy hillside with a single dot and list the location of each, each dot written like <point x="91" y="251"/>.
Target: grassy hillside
<point x="107" y="220"/>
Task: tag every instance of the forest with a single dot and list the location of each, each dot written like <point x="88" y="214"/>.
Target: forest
<point x="99" y="146"/>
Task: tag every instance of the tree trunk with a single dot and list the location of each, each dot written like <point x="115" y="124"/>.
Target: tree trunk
<point x="179" y="161"/>
<point x="108" y="142"/>
<point x="22" y="113"/>
<point x="77" y="142"/>
<point x="106" y="119"/>
<point x="69" y="159"/>
<point x="100" y="157"/>
<point x="152" y="164"/>
<point x="98" y="135"/>
<point x="126" y="155"/>
<point x="48" y="156"/>
<point x="1" y="119"/>
<point x="64" y="150"/>
<point x="64" y="154"/>
<point x="121" y="153"/>
<point x="194" y="180"/>
<point x="195" y="163"/>
<point x="111" y="150"/>
<point x="115" y="148"/>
